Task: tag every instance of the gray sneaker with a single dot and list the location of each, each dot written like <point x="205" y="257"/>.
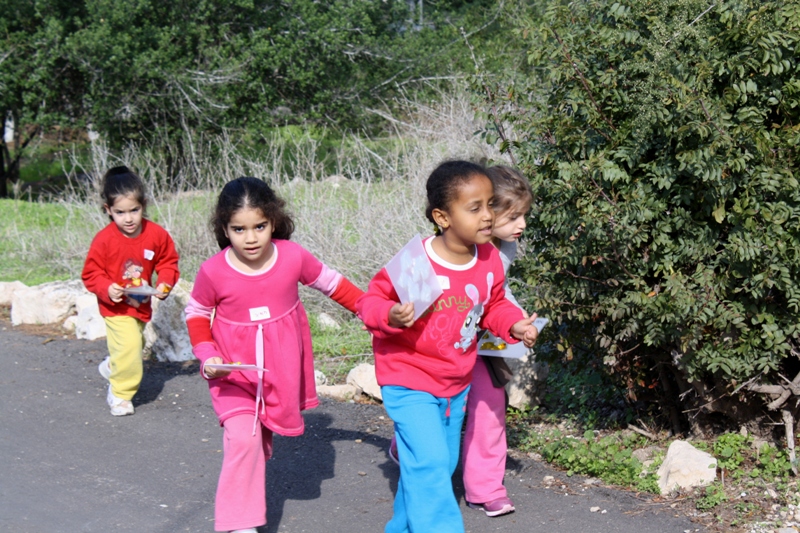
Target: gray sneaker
<point x="105" y="368"/>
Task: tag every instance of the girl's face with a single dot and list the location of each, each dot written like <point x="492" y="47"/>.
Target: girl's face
<point x="127" y="214"/>
<point x="508" y="226"/>
<point x="468" y="219"/>
<point x="250" y="234"/>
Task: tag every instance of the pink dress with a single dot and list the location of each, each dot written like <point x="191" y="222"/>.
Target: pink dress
<point x="260" y="320"/>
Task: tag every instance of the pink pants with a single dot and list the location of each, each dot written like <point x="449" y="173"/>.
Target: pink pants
<point x="485" y="438"/>
<point x="241" y="492"/>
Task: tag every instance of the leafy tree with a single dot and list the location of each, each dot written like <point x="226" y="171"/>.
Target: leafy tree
<point x="661" y="138"/>
<point x="38" y="88"/>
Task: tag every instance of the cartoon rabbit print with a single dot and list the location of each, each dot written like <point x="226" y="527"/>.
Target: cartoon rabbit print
<point x="470" y="327"/>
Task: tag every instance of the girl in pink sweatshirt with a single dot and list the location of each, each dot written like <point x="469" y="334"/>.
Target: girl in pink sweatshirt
<point x="250" y="288"/>
<point x="425" y="366"/>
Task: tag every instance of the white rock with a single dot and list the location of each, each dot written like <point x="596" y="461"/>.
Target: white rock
<point x="7" y="289"/>
<point x="320" y="378"/>
<point x="89" y="324"/>
<point x="70" y="322"/>
<point x="786" y="530"/>
<point x="337" y="392"/>
<point x="363" y="377"/>
<point x="685" y="466"/>
<point x="594" y="509"/>
<point x="527" y="384"/>
<point x="45" y="304"/>
<point x="326" y="321"/>
<point x="166" y="336"/>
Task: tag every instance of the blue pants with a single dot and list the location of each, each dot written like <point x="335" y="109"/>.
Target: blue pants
<point x="428" y="431"/>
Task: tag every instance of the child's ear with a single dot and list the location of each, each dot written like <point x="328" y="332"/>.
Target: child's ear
<point x="107" y="209"/>
<point x="440" y="218"/>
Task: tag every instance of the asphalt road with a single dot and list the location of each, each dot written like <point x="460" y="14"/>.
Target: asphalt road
<point x="67" y="465"/>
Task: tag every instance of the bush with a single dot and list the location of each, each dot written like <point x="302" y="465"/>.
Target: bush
<point x="663" y="154"/>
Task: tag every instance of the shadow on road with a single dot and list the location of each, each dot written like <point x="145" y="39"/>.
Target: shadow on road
<point x="301" y="464"/>
<point x="156" y="374"/>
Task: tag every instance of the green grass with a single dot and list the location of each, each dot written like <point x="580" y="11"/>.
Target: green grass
<point x="18" y="220"/>
<point x="337" y="351"/>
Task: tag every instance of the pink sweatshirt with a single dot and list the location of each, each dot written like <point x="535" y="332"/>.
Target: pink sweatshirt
<point x="437" y="353"/>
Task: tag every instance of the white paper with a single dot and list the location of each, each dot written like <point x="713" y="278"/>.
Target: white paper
<point x="540" y="323"/>
<point x="142" y="290"/>
<point x="413" y="277"/>
<point x="493" y="346"/>
<point x="234" y="367"/>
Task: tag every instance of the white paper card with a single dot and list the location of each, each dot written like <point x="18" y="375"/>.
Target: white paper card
<point x="235" y="367"/>
<point x="493" y="346"/>
<point x="149" y="254"/>
<point x="413" y="277"/>
<point x="540" y="323"/>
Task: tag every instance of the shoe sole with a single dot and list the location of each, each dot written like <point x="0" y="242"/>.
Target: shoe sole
<point x="507" y="509"/>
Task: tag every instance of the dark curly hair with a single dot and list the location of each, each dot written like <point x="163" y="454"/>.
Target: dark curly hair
<point x="120" y="182"/>
<point x="253" y="193"/>
<point x="444" y="182"/>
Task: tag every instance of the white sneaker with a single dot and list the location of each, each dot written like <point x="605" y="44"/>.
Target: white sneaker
<point x="119" y="407"/>
<point x="248" y="530"/>
<point x="105" y="368"/>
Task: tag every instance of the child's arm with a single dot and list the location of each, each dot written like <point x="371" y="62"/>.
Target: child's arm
<point x="166" y="267"/>
<point x="198" y="322"/>
<point x="505" y="319"/>
<point x="328" y="281"/>
<point x="94" y="275"/>
<point x="380" y="309"/>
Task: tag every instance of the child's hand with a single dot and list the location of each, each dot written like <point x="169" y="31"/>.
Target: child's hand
<point x="525" y="331"/>
<point x="163" y="291"/>
<point x="401" y="315"/>
<point x="115" y="292"/>
<point x="212" y="373"/>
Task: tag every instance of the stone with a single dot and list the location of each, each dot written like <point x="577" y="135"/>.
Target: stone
<point x="47" y="303"/>
<point x="526" y="387"/>
<point x="70" y="323"/>
<point x="326" y="321"/>
<point x="166" y="335"/>
<point x="7" y="289"/>
<point x="684" y="467"/>
<point x="320" y="378"/>
<point x="337" y="392"/>
<point x="363" y="377"/>
<point x="89" y="324"/>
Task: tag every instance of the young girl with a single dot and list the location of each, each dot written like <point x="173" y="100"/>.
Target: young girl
<point x="424" y="367"/>
<point x="124" y="255"/>
<point x="485" y="433"/>
<point x="251" y="289"/>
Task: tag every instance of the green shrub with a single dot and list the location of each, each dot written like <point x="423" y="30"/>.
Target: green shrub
<point x="663" y="156"/>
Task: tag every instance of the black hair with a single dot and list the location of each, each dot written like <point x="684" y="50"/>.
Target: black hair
<point x="122" y="181"/>
<point x="253" y="193"/>
<point x="510" y="188"/>
<point x="444" y="182"/>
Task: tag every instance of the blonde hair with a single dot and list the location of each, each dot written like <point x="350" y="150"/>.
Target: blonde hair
<point x="510" y="188"/>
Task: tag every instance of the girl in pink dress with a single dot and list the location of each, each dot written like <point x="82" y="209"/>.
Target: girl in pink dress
<point x="245" y="308"/>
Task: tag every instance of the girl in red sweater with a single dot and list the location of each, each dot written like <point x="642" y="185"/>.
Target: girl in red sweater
<point x="119" y="268"/>
<point x="425" y="366"/>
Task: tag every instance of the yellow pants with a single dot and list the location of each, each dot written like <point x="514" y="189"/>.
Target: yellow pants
<point x="125" y="344"/>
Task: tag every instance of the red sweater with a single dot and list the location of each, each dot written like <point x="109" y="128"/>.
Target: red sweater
<point x="115" y="258"/>
<point x="437" y="353"/>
